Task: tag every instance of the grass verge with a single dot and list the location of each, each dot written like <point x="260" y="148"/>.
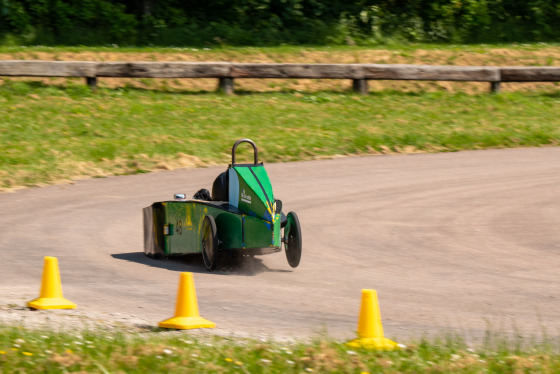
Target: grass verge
<point x="285" y="49"/>
<point x="50" y="133"/>
<point x="24" y="350"/>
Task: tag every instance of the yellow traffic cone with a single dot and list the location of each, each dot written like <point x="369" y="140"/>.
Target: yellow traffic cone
<point x="186" y="309"/>
<point x="51" y="289"/>
<point x="370" y="329"/>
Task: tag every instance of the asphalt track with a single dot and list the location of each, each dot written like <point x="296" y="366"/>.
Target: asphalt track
<point x="467" y="242"/>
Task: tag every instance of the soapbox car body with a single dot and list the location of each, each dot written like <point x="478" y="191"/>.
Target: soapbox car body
<point x="242" y="217"/>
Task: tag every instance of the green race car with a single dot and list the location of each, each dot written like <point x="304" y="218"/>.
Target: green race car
<point x="241" y="217"/>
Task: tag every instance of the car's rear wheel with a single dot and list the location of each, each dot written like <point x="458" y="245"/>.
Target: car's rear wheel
<point x="209" y="243"/>
<point x="292" y="239"/>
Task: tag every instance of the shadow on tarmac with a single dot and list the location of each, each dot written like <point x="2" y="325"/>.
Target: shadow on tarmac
<point x="228" y="265"/>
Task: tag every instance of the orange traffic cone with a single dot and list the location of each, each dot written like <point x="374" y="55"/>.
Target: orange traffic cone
<point x="51" y="289"/>
<point x="370" y="329"/>
<point x="186" y="309"/>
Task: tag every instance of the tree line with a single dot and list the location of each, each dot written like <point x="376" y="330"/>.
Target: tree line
<point x="275" y="22"/>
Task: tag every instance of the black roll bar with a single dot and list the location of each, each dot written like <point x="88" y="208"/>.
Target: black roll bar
<point x="256" y="151"/>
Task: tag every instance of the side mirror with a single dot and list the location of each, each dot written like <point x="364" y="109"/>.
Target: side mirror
<point x="278" y="204"/>
<point x="180" y="196"/>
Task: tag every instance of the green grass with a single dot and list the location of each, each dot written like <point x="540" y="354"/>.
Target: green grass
<point x="101" y="351"/>
<point x="397" y="45"/>
<point x="49" y="133"/>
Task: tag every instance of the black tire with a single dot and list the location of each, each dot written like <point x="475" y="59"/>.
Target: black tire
<point x="292" y="239"/>
<point x="209" y="243"/>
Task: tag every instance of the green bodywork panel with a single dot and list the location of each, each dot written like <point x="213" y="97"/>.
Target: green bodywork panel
<point x="258" y="232"/>
<point x="250" y="191"/>
<point x="181" y="224"/>
<point x="256" y="197"/>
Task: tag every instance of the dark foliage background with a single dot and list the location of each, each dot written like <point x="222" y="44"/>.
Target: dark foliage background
<point x="274" y="22"/>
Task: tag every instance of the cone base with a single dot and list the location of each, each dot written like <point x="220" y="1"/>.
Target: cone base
<point x="51" y="303"/>
<point x="374" y="343"/>
<point x="186" y="323"/>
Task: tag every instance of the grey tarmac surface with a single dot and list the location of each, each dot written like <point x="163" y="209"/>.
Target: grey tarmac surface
<point x="465" y="242"/>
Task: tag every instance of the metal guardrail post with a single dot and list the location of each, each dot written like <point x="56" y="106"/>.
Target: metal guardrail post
<point x="360" y="86"/>
<point x="495" y="87"/>
<point x="91" y="82"/>
<point x="225" y="86"/>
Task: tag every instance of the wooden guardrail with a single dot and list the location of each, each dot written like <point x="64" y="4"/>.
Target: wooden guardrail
<point x="226" y="72"/>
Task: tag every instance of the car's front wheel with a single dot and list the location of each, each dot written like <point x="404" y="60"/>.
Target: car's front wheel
<point x="292" y="239"/>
